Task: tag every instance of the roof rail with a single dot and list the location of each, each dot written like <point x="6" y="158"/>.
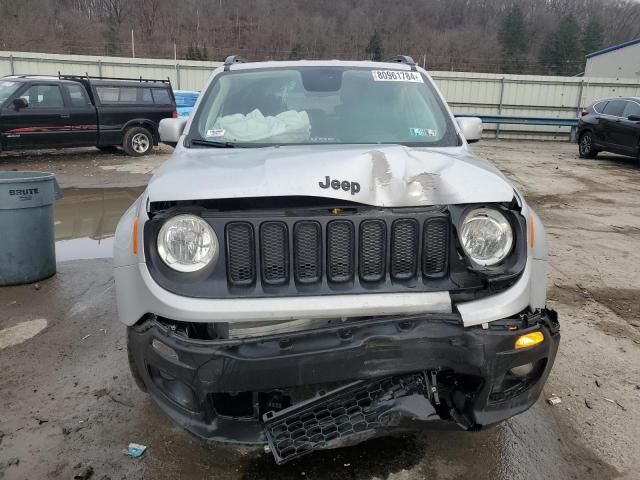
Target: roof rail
<point x="406" y="59"/>
<point x="89" y="78"/>
<point x="231" y="59"/>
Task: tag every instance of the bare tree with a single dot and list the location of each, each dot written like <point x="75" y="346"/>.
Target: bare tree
<point x="458" y="34"/>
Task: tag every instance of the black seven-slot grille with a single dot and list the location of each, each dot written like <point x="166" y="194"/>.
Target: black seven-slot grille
<point x="374" y="250"/>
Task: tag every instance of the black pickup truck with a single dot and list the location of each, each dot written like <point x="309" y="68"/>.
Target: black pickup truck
<point x="73" y="111"/>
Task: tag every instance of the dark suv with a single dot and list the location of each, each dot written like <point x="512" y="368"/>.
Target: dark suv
<point x="69" y="111"/>
<point x="611" y="125"/>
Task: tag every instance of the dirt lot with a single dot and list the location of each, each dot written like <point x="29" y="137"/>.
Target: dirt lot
<point x="69" y="403"/>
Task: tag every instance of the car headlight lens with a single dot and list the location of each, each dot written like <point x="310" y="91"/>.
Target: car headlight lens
<point x="486" y="236"/>
<point x="187" y="243"/>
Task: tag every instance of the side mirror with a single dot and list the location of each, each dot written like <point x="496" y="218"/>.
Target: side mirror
<point x="634" y="118"/>
<point x="471" y="128"/>
<point x="171" y="129"/>
<point x="20" y="103"/>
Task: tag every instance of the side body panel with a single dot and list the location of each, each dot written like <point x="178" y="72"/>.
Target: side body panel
<point x="40" y="125"/>
<point x="83" y="117"/>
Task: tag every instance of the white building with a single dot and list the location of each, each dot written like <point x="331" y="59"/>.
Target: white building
<point x="619" y="62"/>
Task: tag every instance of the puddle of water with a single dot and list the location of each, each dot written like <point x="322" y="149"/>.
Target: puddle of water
<point x="86" y="220"/>
<point x="21" y="332"/>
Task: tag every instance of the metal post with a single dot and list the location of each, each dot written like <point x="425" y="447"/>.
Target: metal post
<point x="500" y="105"/>
<point x="99" y="67"/>
<point x="133" y="45"/>
<point x="573" y="133"/>
<point x="579" y="106"/>
<point x="13" y="71"/>
<point x="178" y="75"/>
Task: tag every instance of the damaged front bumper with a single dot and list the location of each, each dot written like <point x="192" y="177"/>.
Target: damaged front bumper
<point x="339" y="385"/>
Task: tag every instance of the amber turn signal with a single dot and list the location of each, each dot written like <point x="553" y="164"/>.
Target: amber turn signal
<point x="529" y="340"/>
<point x="134" y="237"/>
<point x="532" y="231"/>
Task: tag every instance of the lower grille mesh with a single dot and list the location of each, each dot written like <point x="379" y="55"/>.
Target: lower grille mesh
<point x="352" y="411"/>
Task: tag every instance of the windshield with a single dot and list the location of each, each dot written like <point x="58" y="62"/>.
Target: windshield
<point x="7" y="89"/>
<point x="316" y="105"/>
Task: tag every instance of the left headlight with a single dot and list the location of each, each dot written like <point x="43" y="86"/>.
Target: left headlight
<point x="486" y="236"/>
<point x="186" y="243"/>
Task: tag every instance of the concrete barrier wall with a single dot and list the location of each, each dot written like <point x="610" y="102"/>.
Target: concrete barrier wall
<point x="467" y="93"/>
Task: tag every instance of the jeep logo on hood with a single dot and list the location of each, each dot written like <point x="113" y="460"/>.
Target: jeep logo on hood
<point x="345" y="185"/>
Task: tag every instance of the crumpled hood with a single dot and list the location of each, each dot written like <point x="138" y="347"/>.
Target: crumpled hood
<point x="379" y="175"/>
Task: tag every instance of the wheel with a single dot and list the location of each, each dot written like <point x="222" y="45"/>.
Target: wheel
<point x="585" y="146"/>
<point x="137" y="141"/>
<point x="108" y="148"/>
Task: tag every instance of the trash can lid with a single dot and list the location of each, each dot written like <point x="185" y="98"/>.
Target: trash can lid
<point x="23" y="177"/>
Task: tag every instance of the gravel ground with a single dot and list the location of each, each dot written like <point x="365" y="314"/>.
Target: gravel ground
<point x="69" y="403"/>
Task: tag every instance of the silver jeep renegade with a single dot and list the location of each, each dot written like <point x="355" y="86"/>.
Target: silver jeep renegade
<point x="324" y="260"/>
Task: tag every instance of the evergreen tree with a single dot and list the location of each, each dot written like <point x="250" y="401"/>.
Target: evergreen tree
<point x="562" y="49"/>
<point x="296" y="52"/>
<point x="194" y="52"/>
<point x="112" y="47"/>
<point x="514" y="40"/>
<point x="593" y="36"/>
<point x="375" y="50"/>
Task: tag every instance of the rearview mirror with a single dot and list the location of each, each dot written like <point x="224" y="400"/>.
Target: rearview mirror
<point x="471" y="128"/>
<point x="171" y="129"/>
<point x="634" y="118"/>
<point x="20" y="103"/>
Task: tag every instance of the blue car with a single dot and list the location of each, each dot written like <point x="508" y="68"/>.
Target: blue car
<point x="185" y="100"/>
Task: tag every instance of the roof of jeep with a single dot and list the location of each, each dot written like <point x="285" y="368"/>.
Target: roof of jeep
<point x="320" y="63"/>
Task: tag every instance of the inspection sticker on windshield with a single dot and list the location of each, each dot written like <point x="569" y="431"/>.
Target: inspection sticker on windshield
<point x="423" y="132"/>
<point x="215" y="132"/>
<point x="396" y="76"/>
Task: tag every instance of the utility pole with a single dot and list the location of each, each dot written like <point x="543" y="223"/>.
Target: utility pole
<point x="133" y="45"/>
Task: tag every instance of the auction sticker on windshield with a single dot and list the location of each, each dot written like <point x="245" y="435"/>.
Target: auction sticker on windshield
<point x="396" y="76"/>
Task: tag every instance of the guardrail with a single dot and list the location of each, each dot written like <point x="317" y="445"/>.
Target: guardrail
<point x="514" y="120"/>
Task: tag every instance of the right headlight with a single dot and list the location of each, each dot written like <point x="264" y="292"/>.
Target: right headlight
<point x="186" y="243"/>
<point x="486" y="236"/>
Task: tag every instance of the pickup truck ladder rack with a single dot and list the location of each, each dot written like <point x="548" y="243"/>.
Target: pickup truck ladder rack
<point x="88" y="77"/>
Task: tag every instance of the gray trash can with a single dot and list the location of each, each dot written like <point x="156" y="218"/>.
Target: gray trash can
<point x="27" y="239"/>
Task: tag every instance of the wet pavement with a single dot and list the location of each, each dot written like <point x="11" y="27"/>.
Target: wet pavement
<point x="86" y="220"/>
<point x="68" y="402"/>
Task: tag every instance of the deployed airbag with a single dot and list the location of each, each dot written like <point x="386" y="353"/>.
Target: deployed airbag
<point x="286" y="127"/>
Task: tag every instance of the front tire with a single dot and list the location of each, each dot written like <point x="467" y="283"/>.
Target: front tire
<point x="585" y="146"/>
<point x="138" y="141"/>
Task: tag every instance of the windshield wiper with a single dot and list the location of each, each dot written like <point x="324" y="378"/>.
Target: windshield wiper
<point x="209" y="143"/>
